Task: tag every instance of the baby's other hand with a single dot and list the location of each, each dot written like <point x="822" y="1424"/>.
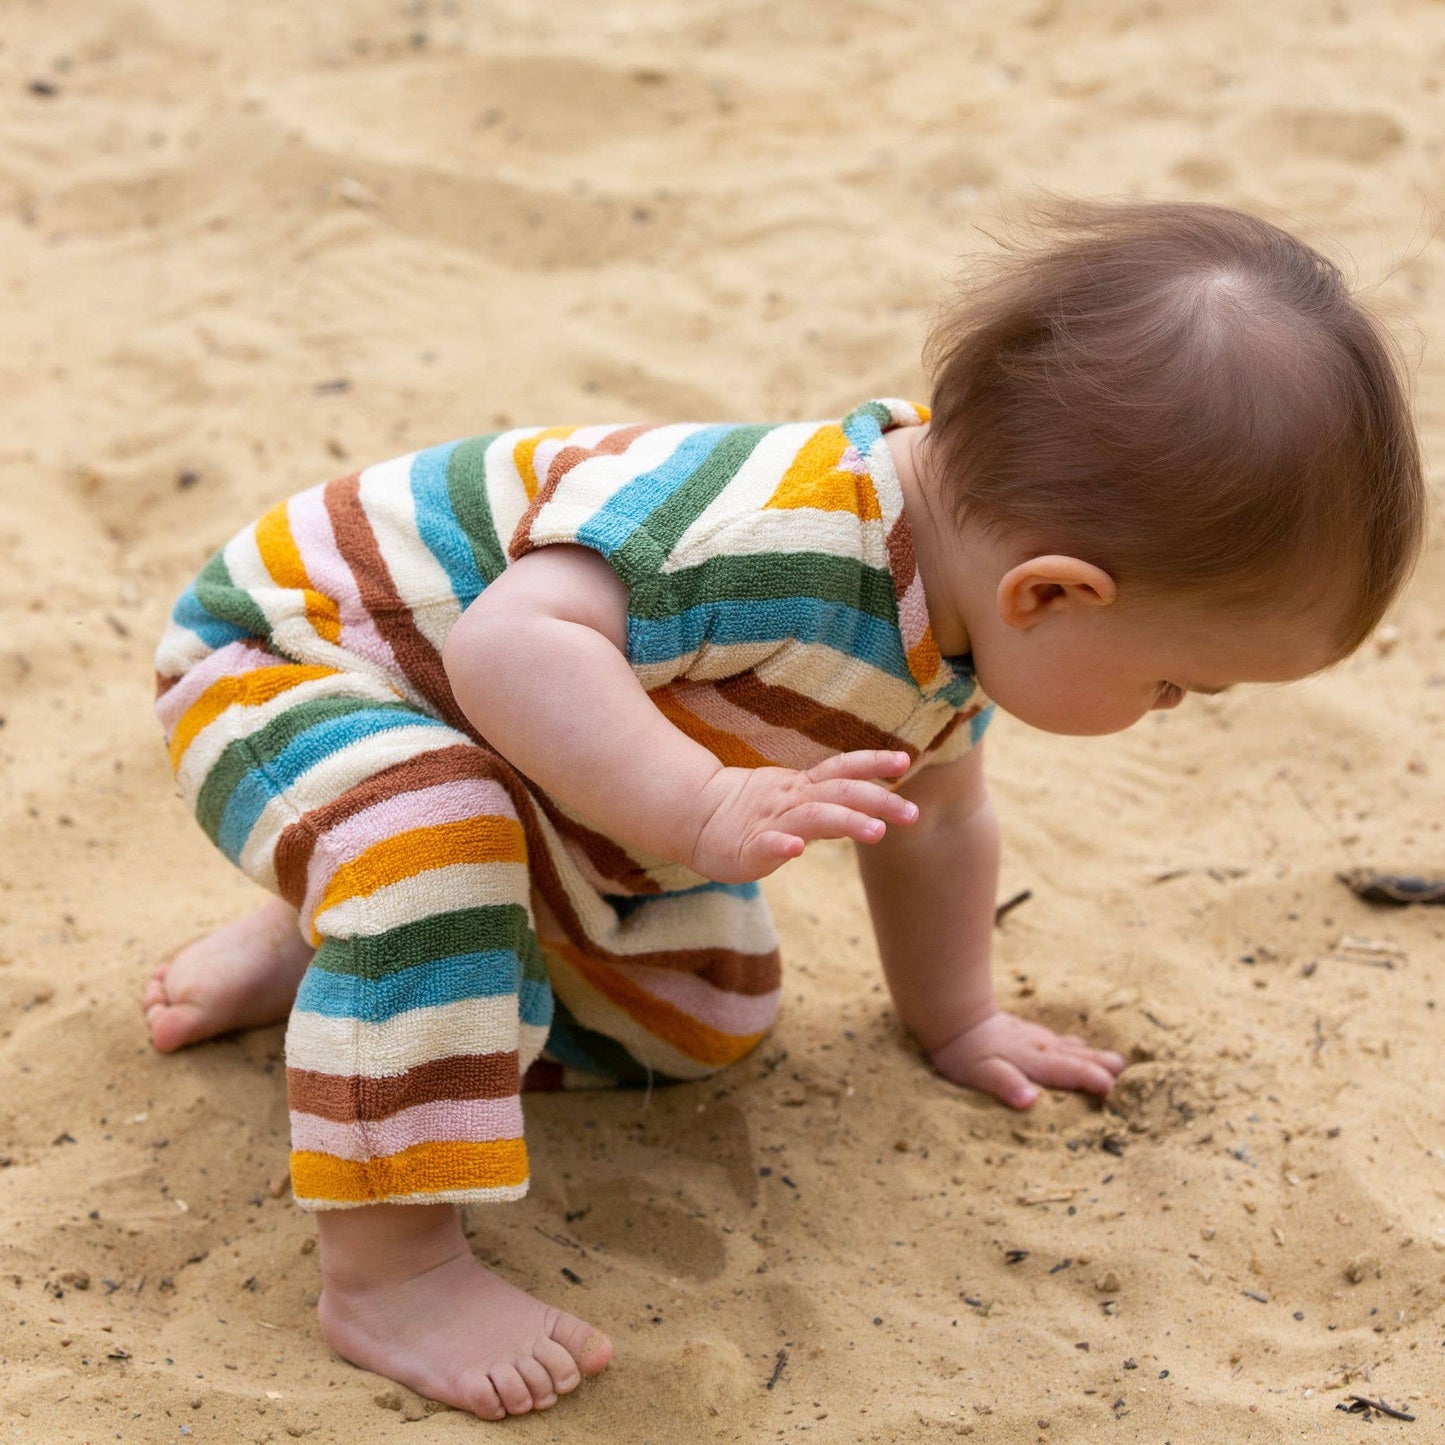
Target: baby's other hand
<point x="752" y="820"/>
<point x="1007" y="1057"/>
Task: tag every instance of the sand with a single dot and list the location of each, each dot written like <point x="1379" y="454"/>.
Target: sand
<point x="245" y="248"/>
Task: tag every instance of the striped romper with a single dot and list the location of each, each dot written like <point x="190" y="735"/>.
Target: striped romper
<point x="774" y="615"/>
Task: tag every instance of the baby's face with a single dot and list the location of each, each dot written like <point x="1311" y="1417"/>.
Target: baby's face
<point x="1099" y="670"/>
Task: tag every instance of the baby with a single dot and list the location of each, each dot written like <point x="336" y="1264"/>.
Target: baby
<point x="513" y="727"/>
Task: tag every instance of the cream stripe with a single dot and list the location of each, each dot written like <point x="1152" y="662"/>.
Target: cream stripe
<point x="420" y="580"/>
<point x="438" y="890"/>
<point x="506" y="494"/>
<point x="663" y="923"/>
<point x="179" y="650"/>
<point x="791" y="529"/>
<point x="497" y="1194"/>
<point x="354" y="1047"/>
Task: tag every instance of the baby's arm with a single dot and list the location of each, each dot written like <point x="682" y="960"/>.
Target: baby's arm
<point x="538" y="664"/>
<point x="931" y="894"/>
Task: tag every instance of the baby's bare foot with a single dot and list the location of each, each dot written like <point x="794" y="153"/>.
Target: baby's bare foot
<point x="403" y="1296"/>
<point x="242" y="976"/>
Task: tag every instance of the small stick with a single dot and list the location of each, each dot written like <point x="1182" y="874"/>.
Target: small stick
<point x="1011" y="904"/>
<point x="778" y="1369"/>
<point x="1382" y="1408"/>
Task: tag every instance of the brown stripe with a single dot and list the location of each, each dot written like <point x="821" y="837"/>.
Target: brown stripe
<point x="900" y="555"/>
<point x="165" y="684"/>
<point x="613" y="444"/>
<point x="353" y="1098"/>
<point x="782" y="707"/>
<point x="418" y="659"/>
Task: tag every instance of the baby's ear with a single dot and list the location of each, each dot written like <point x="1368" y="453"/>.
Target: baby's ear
<point x="1043" y="586"/>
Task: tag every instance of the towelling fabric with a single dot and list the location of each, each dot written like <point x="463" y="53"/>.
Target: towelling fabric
<point x="775" y="616"/>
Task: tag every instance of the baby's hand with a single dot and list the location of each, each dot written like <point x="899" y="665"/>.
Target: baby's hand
<point x="754" y="819"/>
<point x="1006" y="1056"/>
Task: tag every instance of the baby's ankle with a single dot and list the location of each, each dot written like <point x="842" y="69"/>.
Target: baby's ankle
<point x="379" y="1245"/>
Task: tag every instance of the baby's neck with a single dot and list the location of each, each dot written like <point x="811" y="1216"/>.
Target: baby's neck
<point x="935" y="541"/>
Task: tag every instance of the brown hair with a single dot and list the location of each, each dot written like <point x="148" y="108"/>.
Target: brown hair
<point x="1186" y="396"/>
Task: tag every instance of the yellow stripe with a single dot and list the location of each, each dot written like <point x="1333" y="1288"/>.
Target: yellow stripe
<point x="432" y="1168"/>
<point x="661" y="1019"/>
<point x="813" y="479"/>
<point x="524" y="451"/>
<point x="472" y="840"/>
<point x="250" y="689"/>
<point x="282" y="557"/>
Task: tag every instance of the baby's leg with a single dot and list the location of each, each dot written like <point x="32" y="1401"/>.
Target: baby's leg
<point x="242" y="976"/>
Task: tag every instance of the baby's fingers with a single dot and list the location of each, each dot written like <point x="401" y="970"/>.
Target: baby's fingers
<point x="1067" y="1069"/>
<point x="833" y="820"/>
<point x="870" y="798"/>
<point x="1005" y="1081"/>
<point x="864" y="763"/>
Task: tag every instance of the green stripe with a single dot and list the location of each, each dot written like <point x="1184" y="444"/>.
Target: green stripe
<point x="410" y="945"/>
<point x="638" y="556"/>
<point x="768" y="578"/>
<point x="261" y="747"/>
<point x="467" y="488"/>
<point x="220" y="596"/>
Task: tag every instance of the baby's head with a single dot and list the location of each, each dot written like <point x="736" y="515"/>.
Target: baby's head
<point x="1181" y="414"/>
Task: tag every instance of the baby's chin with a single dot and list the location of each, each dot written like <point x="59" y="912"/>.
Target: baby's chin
<point x="1061" y="719"/>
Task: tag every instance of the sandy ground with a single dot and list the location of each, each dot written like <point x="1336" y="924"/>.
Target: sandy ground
<point x="245" y="247"/>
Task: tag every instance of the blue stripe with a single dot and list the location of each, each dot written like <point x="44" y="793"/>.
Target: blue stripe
<point x="495" y="973"/>
<point x="800" y="619"/>
<point x="626" y="904"/>
<point x="978" y="723"/>
<point x="301" y="754"/>
<point x="192" y="615"/>
<point x="438" y="525"/>
<point x="629" y="507"/>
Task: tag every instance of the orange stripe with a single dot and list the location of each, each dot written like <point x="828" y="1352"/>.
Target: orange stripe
<point x="924" y="658"/>
<point x="727" y="748"/>
<point x="250" y="689"/>
<point x="432" y="1168"/>
<point x="661" y="1019"/>
<point x="524" y="451"/>
<point x="471" y="840"/>
<point x="282" y="557"/>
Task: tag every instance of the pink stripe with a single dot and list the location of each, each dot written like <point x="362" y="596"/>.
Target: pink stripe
<point x="729" y="1013"/>
<point x="781" y="746"/>
<point x="464" y="1121"/>
<point x="330" y="575"/>
<point x="422" y="808"/>
<point x="231" y="660"/>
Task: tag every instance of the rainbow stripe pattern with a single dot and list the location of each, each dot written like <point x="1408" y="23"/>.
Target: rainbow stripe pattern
<point x="775" y="615"/>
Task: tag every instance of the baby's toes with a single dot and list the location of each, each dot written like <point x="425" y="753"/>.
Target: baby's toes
<point x="538" y="1381"/>
<point x="561" y="1368"/>
<point x="511" y="1389"/>
<point x="589" y="1347"/>
<point x="480" y="1397"/>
